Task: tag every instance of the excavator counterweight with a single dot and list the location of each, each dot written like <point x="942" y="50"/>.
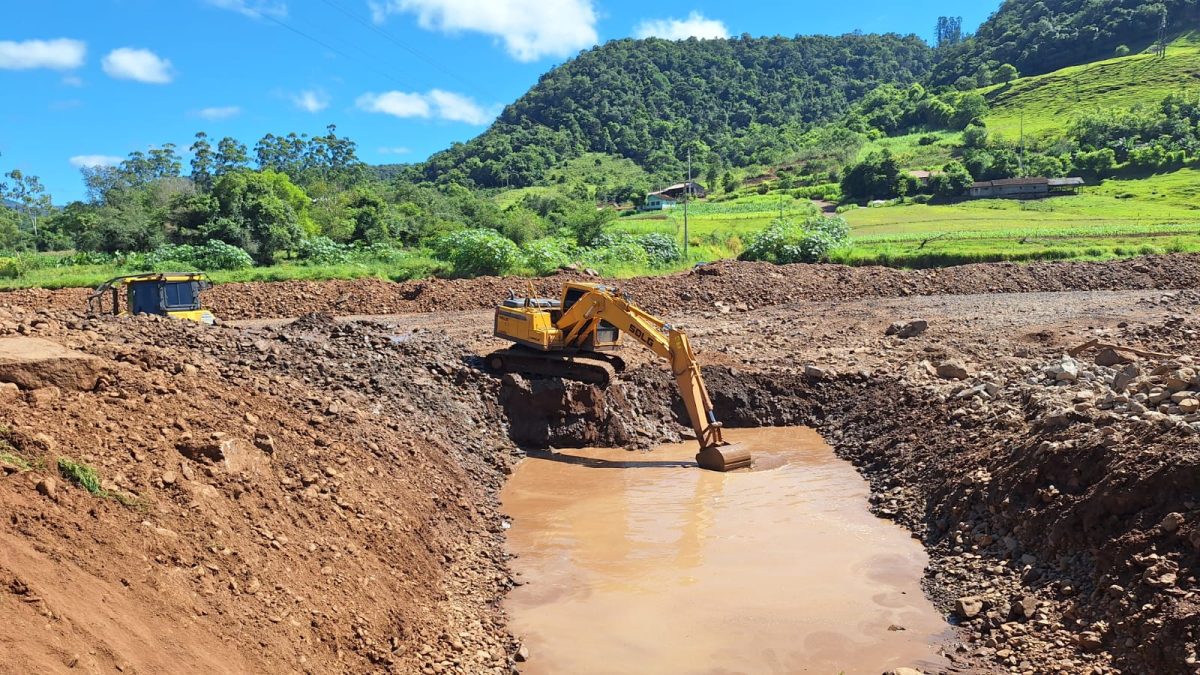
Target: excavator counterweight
<point x="569" y="338"/>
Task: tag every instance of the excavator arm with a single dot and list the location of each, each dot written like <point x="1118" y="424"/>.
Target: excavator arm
<point x="584" y="317"/>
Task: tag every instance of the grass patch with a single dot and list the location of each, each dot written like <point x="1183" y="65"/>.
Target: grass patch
<point x="1051" y="102"/>
<point x="13" y="459"/>
<point x="82" y="475"/>
<point x="88" y="478"/>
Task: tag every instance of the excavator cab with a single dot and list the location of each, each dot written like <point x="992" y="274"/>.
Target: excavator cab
<point x="173" y="294"/>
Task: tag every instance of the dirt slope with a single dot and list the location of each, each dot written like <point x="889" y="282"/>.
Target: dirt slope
<point x="280" y="515"/>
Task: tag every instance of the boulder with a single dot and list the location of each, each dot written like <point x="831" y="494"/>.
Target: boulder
<point x="1110" y="357"/>
<point x="952" y="370"/>
<point x="909" y="329"/>
<point x="968" y="607"/>
<point x="34" y="363"/>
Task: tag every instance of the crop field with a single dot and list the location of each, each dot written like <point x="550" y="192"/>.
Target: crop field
<point x="1154" y="214"/>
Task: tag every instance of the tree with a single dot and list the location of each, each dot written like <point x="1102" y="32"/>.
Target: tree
<point x="876" y="177"/>
<point x="971" y="108"/>
<point x="1005" y="74"/>
<point x="949" y="31"/>
<point x="728" y="182"/>
<point x="975" y="137"/>
<point x="27" y="190"/>
<point x="1120" y="51"/>
<point x="231" y="156"/>
<point x="953" y="181"/>
<point x="587" y="223"/>
<point x="203" y="162"/>
<point x="261" y="212"/>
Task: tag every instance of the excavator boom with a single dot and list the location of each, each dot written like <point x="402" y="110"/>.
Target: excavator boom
<point x="591" y="316"/>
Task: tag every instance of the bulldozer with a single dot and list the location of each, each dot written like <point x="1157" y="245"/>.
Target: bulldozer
<point x="173" y="294"/>
<point x="573" y="337"/>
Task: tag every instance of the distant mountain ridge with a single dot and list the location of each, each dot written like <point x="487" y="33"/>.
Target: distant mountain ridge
<point x="1040" y="36"/>
<point x="647" y="99"/>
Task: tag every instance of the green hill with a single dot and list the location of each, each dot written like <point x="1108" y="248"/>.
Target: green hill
<point x="1042" y="36"/>
<point x="732" y="102"/>
<point x="1050" y="102"/>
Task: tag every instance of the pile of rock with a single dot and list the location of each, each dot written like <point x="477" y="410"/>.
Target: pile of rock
<point x="1163" y="392"/>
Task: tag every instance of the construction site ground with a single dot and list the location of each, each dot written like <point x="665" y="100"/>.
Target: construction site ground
<point x="321" y="494"/>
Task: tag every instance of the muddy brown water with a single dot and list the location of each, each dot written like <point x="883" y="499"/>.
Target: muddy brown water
<point x="642" y="563"/>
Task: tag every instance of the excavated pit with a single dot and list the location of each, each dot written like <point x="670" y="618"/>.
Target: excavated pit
<point x="639" y="562"/>
<point x="1053" y="545"/>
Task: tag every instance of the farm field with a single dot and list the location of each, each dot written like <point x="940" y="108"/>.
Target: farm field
<point x="1154" y="214"/>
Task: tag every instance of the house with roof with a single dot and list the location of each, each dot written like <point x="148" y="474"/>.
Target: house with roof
<point x="670" y="197"/>
<point x="1024" y="188"/>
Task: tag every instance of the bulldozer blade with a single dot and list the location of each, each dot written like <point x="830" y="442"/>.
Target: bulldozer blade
<point x="724" y="458"/>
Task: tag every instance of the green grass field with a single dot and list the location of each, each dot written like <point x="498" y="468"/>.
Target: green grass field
<point x="1155" y="214"/>
<point x="1050" y="102"/>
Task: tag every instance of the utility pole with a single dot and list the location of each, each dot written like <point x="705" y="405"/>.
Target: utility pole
<point x="687" y="197"/>
<point x="1021" y="159"/>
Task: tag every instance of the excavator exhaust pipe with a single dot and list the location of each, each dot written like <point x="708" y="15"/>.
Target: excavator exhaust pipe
<point x="724" y="457"/>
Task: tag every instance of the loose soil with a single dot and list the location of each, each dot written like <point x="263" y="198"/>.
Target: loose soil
<point x="322" y="496"/>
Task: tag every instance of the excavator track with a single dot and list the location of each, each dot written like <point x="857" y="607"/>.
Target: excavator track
<point x="588" y="367"/>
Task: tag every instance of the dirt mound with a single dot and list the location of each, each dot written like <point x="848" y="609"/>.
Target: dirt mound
<point x="727" y="286"/>
<point x="315" y="500"/>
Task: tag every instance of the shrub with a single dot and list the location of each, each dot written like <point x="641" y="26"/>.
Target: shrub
<point x="927" y="139"/>
<point x="478" y="252"/>
<point x="213" y="255"/>
<point x="1121" y="50"/>
<point x="322" y="251"/>
<point x="786" y="241"/>
<point x="546" y="255"/>
<point x="622" y="252"/>
<point x="660" y="249"/>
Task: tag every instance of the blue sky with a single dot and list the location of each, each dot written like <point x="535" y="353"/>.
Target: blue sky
<point x="89" y="82"/>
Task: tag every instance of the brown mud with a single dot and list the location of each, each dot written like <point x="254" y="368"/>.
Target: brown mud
<point x="637" y="562"/>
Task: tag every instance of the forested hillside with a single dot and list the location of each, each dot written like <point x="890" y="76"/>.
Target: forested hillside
<point x="732" y="102"/>
<point x="1044" y="35"/>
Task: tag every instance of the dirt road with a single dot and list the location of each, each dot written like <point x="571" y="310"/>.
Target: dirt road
<point x="322" y="495"/>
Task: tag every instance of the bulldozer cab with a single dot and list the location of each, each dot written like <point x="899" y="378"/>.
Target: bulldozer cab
<point x="164" y="294"/>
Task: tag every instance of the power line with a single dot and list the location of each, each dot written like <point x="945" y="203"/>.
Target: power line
<point x="333" y="49"/>
<point x="433" y="63"/>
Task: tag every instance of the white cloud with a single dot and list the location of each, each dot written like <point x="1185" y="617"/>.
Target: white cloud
<point x="445" y="105"/>
<point x="311" y="100"/>
<point x="530" y="29"/>
<point x="399" y="150"/>
<point x="681" y="29"/>
<point x="254" y="9"/>
<point x="395" y="103"/>
<point x="89" y="161"/>
<point x="141" y="65"/>
<point x="60" y="54"/>
<point x="459" y="108"/>
<point x="72" y="81"/>
<point x="220" y="112"/>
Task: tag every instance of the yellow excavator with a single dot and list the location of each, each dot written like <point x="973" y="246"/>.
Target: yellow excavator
<point x="571" y="338"/>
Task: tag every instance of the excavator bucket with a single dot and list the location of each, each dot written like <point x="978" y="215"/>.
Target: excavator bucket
<point x="724" y="457"/>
